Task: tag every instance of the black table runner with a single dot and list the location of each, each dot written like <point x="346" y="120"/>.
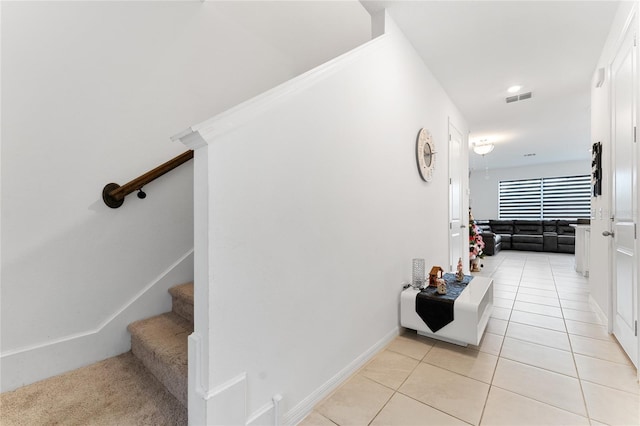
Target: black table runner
<point x="436" y="310"/>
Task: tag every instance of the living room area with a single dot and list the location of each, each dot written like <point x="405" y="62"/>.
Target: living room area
<point x="533" y="208"/>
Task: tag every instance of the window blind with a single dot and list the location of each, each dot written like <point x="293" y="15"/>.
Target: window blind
<point x="566" y="197"/>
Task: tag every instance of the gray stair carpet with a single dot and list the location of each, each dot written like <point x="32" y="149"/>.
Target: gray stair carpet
<point x="147" y="386"/>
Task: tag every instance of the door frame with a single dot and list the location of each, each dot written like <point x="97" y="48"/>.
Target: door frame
<point x="463" y="167"/>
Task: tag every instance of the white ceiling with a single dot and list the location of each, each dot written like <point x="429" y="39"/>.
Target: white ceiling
<point x="477" y="49"/>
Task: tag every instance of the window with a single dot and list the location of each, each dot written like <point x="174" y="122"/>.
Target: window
<point x="566" y="197"/>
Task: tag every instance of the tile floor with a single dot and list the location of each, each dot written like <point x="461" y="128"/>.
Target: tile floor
<point x="545" y="358"/>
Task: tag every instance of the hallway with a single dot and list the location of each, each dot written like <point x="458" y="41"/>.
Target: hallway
<point x="545" y="358"/>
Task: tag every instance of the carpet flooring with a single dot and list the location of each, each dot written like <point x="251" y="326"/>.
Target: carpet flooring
<point x="116" y="391"/>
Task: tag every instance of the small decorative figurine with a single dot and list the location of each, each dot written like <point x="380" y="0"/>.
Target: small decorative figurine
<point x="459" y="273"/>
<point x="436" y="272"/>
<point x="442" y="286"/>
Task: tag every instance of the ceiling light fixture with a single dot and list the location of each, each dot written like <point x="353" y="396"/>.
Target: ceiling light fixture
<point x="483" y="147"/>
<point x="514" y="89"/>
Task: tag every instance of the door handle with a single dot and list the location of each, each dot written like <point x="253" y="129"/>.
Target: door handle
<point x="608" y="234"/>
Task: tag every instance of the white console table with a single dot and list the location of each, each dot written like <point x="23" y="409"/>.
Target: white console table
<point x="471" y="312"/>
<point x="583" y="236"/>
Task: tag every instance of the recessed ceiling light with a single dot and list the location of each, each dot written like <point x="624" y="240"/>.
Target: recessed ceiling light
<point x="514" y="89"/>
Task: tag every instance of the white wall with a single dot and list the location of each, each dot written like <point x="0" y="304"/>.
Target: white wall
<point x="316" y="209"/>
<point x="91" y="93"/>
<point x="600" y="272"/>
<point x="483" y="197"/>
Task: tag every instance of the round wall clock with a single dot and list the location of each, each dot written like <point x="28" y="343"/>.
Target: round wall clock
<point x="425" y="155"/>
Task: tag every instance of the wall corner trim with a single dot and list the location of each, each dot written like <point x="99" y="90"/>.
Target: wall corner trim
<point x="237" y="116"/>
<point x="224" y="386"/>
<point x="108" y="320"/>
<point x="226" y="404"/>
<point x="190" y="138"/>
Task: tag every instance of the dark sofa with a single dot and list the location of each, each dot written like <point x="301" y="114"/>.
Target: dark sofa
<point x="533" y="235"/>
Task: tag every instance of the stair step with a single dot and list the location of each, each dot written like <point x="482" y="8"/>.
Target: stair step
<point x="160" y="343"/>
<point x="182" y="300"/>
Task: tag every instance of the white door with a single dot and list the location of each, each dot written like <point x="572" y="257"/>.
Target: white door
<point x="456" y="225"/>
<point x="625" y="280"/>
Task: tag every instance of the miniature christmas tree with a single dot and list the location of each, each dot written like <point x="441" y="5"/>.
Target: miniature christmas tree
<point x="476" y="243"/>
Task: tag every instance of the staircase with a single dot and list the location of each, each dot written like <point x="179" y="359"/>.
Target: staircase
<point x="160" y="342"/>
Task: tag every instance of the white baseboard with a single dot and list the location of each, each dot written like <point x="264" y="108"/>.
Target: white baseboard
<point x="264" y="416"/>
<point x="27" y="365"/>
<point x="302" y="409"/>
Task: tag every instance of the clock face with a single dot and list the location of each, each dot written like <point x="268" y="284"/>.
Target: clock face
<point x="425" y="155"/>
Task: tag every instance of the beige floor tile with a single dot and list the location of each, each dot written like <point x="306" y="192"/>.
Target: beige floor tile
<point x="508" y="272"/>
<point x="356" y="402"/>
<point x="500" y="313"/>
<point x="511" y="273"/>
<point x="389" y="368"/>
<point x="572" y="304"/>
<point x="316" y="419"/>
<point x="549" y="301"/>
<point x="543" y="321"/>
<point x="536" y="308"/>
<point x="582" y="316"/>
<point x="490" y="343"/>
<point x="572" y="285"/>
<point x="409" y="345"/>
<point x="502" y="303"/>
<point x="588" y="330"/>
<point x="496" y="326"/>
<point x="543" y="284"/>
<point x="542" y="336"/>
<point x="569" y="284"/>
<point x="507" y="276"/>
<point x="509" y="295"/>
<point x="542" y="385"/>
<point x="570" y="295"/>
<point x="450" y="392"/>
<point x="503" y="284"/>
<point x="404" y="411"/>
<point x="537" y="273"/>
<point x="466" y="361"/>
<point x="611" y="406"/>
<point x="545" y="357"/>
<point x="563" y="287"/>
<point x="568" y="274"/>
<point x="505" y="287"/>
<point x="538" y="292"/>
<point x="619" y="376"/>
<point x="602" y="349"/>
<point x="508" y="409"/>
<point x="548" y="286"/>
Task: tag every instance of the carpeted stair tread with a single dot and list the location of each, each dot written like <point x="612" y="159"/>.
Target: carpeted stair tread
<point x="116" y="391"/>
<point x="160" y="343"/>
<point x="182" y="296"/>
<point x="184" y="291"/>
